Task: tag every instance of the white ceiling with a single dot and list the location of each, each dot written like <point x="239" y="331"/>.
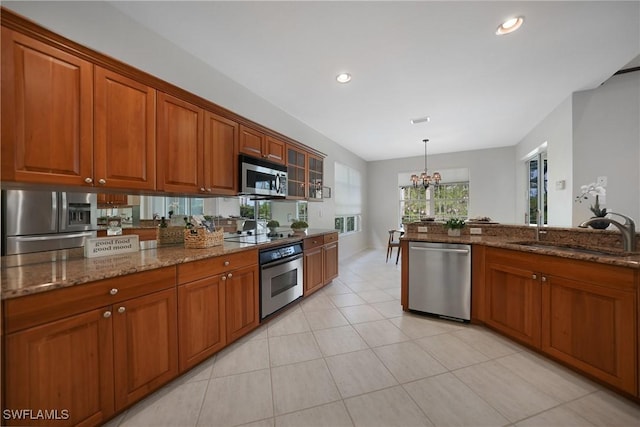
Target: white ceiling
<point x="408" y="60"/>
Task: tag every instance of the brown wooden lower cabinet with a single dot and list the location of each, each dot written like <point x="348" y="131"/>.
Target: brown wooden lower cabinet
<point x="320" y="261"/>
<point x="581" y="313"/>
<point x="145" y="337"/>
<point x="65" y="366"/>
<point x="313" y="270"/>
<point x="218" y="302"/>
<point x="513" y="302"/>
<point x="330" y="260"/>
<point x="201" y="320"/>
<point x="242" y="293"/>
<point x="592" y="328"/>
<point x="84" y="365"/>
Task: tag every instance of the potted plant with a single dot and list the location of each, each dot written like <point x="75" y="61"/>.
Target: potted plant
<point x="299" y="227"/>
<point x="594" y="190"/>
<point x="454" y="225"/>
<point x="272" y="225"/>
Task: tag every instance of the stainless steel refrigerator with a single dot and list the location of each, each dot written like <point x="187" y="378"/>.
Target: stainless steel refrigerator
<point x="34" y="220"/>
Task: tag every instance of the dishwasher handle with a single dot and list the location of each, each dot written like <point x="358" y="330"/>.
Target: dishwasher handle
<point x="457" y="251"/>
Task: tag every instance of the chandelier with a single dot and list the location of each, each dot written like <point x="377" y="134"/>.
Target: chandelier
<point x="425" y="179"/>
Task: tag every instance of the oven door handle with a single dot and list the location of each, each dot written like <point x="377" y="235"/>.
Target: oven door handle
<point x="281" y="261"/>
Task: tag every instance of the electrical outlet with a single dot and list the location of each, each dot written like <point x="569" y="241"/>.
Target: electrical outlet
<point x="422" y="229"/>
<point x="474" y="230"/>
<point x="601" y="181"/>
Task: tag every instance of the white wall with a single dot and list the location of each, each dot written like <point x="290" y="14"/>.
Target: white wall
<point x="592" y="133"/>
<point x="491" y="186"/>
<point x="103" y="28"/>
<point x="556" y="131"/>
<point x="606" y="142"/>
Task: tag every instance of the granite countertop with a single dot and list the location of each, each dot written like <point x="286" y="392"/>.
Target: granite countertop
<point x="44" y="271"/>
<point x="564" y="250"/>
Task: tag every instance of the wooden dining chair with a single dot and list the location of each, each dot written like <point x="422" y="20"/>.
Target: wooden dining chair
<point x="394" y="242"/>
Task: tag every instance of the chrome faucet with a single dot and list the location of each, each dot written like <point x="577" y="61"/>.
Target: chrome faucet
<point x="628" y="229"/>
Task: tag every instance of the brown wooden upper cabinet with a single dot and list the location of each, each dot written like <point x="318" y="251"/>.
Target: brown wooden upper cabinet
<point x="256" y="144"/>
<point x="56" y="132"/>
<point x="180" y="145"/>
<point x="316" y="176"/>
<point x="47" y="103"/>
<point x="125" y="132"/>
<point x="297" y="173"/>
<point x="112" y="200"/>
<point x="220" y="155"/>
<point x="197" y="150"/>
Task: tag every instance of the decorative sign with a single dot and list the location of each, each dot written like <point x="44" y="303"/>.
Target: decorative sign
<point x="105" y="246"/>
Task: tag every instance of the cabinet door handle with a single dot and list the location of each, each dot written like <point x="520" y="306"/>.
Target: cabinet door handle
<point x="202" y="189"/>
<point x="113" y="291"/>
<point x="88" y="180"/>
<point x="226" y="263"/>
<point x="101" y="181"/>
<point x="229" y="275"/>
<point x="121" y="310"/>
<point x="534" y="276"/>
<point x="209" y="190"/>
<point x="224" y="278"/>
<point x="106" y="314"/>
<point x="544" y="279"/>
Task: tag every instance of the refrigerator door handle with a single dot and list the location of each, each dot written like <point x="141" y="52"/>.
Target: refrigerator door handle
<point x="52" y="237"/>
<point x="54" y="211"/>
<point x="64" y="211"/>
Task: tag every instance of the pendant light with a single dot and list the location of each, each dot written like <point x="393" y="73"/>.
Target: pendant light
<point x="424" y="179"/>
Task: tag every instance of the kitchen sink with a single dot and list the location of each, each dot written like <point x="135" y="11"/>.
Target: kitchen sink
<point x="574" y="248"/>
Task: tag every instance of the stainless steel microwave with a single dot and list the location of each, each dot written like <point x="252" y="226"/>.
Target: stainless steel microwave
<point x="262" y="177"/>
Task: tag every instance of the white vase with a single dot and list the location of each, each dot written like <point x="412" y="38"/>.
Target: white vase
<point x="454" y="232"/>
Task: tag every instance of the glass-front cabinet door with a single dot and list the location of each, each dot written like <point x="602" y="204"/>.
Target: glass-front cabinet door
<point x="296" y="171"/>
<point x="315" y="177"/>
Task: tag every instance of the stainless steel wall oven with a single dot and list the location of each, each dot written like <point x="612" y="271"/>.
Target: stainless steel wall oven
<point x="281" y="277"/>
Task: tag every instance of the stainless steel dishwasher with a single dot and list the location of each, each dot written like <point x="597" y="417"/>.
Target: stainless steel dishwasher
<point x="440" y="279"/>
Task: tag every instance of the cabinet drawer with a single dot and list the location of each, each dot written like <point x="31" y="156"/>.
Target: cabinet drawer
<point x="33" y="310"/>
<point x="312" y="242"/>
<point x="332" y="237"/>
<point x="211" y="266"/>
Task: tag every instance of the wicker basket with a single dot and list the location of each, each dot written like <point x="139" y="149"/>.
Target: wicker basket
<point x="169" y="235"/>
<point x="199" y="238"/>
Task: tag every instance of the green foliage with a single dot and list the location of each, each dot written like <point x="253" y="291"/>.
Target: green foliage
<point x="299" y="225"/>
<point x="273" y="223"/>
<point x="454" y="223"/>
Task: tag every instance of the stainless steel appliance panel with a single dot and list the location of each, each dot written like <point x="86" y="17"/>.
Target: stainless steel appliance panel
<point x="440" y="279"/>
<point x="36" y="243"/>
<point x="78" y="212"/>
<point x="35" y="220"/>
<point x="281" y="283"/>
<point x="30" y="212"/>
<point x="261" y="177"/>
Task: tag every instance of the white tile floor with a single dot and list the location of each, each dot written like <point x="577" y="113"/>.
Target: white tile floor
<point x="349" y="356"/>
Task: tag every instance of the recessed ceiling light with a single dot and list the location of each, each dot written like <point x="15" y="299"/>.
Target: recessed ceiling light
<point x="510" y="25"/>
<point x="343" y="78"/>
<point x="420" y="120"/>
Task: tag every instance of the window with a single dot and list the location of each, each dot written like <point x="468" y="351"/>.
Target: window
<point x="414" y="204"/>
<point x="348" y="196"/>
<point x="247" y="208"/>
<point x="536" y="167"/>
<point x="159" y="206"/>
<point x="451" y="200"/>
<point x="443" y="201"/>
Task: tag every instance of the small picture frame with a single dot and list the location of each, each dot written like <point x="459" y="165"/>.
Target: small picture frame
<point x="326" y="192"/>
